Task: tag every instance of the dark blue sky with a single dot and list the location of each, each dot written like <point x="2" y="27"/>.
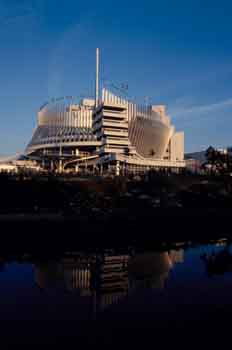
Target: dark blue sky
<point x="176" y="53"/>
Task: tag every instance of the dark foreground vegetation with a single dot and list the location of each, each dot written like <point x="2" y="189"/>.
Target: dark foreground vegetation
<point x="49" y="211"/>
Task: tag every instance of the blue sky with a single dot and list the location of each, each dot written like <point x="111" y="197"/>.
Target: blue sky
<point x="176" y="53"/>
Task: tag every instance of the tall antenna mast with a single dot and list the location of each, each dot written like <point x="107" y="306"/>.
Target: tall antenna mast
<point x="97" y="78"/>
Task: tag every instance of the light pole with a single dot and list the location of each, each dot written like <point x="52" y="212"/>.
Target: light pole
<point x="60" y="157"/>
<point x="60" y="153"/>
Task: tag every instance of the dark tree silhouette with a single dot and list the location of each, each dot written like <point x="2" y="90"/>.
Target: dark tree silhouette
<point x="218" y="161"/>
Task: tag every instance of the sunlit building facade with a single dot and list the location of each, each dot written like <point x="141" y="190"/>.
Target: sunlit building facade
<point x="111" y="135"/>
<point x="64" y="123"/>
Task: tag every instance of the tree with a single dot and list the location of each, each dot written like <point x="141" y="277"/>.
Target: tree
<point x="218" y="161"/>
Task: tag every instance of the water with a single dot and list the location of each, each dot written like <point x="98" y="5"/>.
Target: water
<point x="118" y="297"/>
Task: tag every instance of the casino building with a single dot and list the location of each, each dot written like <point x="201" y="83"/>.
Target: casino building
<point x="110" y="134"/>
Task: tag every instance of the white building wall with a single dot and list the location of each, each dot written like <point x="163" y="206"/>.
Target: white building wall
<point x="177" y="146"/>
<point x="8" y="168"/>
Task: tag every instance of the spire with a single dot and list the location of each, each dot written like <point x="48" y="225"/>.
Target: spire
<point x="97" y="78"/>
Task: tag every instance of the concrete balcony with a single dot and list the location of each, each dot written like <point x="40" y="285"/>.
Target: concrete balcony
<point x="114" y="105"/>
<point x="106" y="149"/>
<point x="115" y="124"/>
<point x="120" y="142"/>
<point x="116" y="133"/>
<point x="114" y="115"/>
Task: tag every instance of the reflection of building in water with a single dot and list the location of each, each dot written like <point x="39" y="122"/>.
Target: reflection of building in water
<point x="152" y="269"/>
<point x="177" y="256"/>
<point x="110" y="279"/>
<point x="77" y="274"/>
<point x="48" y="275"/>
<point x="105" y="277"/>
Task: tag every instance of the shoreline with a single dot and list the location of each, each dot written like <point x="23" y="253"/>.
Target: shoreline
<point x="165" y="225"/>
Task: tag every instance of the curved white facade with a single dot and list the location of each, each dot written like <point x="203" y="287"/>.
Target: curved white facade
<point x="150" y="130"/>
<point x="63" y="121"/>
